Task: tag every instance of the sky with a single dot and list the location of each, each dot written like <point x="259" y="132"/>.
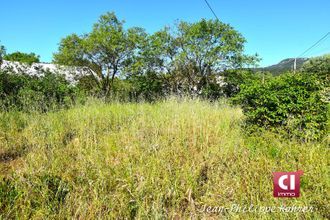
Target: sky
<point x="275" y="29"/>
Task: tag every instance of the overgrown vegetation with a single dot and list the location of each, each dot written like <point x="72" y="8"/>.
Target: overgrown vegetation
<point x="118" y="145"/>
<point x="186" y="58"/>
<point x="29" y="93"/>
<point x="290" y="101"/>
<point x="161" y="160"/>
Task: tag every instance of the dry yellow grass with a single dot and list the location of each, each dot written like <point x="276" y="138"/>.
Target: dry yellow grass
<point x="162" y="160"/>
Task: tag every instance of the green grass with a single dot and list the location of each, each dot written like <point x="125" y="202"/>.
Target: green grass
<point x="162" y="160"/>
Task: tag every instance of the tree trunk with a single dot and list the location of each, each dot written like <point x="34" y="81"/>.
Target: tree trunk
<point x="106" y="84"/>
<point x="109" y="83"/>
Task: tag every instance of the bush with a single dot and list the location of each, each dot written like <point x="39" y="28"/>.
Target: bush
<point x="212" y="91"/>
<point x="320" y="67"/>
<point x="233" y="79"/>
<point x="289" y="102"/>
<point x="89" y="85"/>
<point x="148" y="87"/>
<point x="30" y="93"/>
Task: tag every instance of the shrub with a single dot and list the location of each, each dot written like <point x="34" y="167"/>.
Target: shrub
<point x="89" y="85"/>
<point x="212" y="91"/>
<point x="148" y="87"/>
<point x="233" y="79"/>
<point x="289" y="101"/>
<point x="320" y="67"/>
<point x="24" y="92"/>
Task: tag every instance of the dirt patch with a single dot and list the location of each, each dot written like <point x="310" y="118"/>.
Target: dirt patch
<point x="9" y="167"/>
<point x="11" y="160"/>
<point x="6" y="157"/>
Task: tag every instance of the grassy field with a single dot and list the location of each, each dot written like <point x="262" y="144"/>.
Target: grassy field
<point x="164" y="160"/>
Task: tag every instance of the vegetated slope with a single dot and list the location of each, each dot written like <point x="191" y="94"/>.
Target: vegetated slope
<point x="161" y="160"/>
<point x="284" y="66"/>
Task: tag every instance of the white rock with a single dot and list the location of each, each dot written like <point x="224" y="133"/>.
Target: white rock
<point x="71" y="74"/>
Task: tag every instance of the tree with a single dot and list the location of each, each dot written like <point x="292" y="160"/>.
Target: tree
<point x="161" y="51"/>
<point x="209" y="47"/>
<point x="153" y="64"/>
<point x="106" y="50"/>
<point x="189" y="56"/>
<point x="28" y="58"/>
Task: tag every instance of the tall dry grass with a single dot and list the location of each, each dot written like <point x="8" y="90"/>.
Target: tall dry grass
<point x="156" y="161"/>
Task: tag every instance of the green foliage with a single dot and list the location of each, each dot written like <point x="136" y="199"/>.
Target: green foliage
<point x="149" y="86"/>
<point x="22" y="57"/>
<point x="208" y="47"/>
<point x="191" y="55"/>
<point x="320" y="67"/>
<point x="212" y="90"/>
<point x="290" y="101"/>
<point x="106" y="49"/>
<point x="163" y="160"/>
<point x="8" y="195"/>
<point x="30" y="93"/>
<point x="156" y="54"/>
<point x="89" y="85"/>
<point x="122" y="91"/>
<point x="211" y="44"/>
<point x="70" y="51"/>
<point x="46" y="191"/>
<point x="57" y="190"/>
<point x="234" y="79"/>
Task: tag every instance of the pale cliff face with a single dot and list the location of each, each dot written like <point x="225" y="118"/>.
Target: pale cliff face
<point x="71" y="74"/>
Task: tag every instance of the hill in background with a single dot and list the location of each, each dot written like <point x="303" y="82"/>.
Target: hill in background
<point x="283" y="66"/>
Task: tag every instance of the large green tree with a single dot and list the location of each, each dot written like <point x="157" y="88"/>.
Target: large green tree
<point x="106" y="50"/>
<point x="209" y="47"/>
<point x="190" y="55"/>
<point x="153" y="65"/>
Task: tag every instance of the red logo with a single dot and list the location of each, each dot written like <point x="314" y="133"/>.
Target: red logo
<point x="287" y="184"/>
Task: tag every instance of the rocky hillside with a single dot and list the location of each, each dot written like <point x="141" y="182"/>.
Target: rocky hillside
<point x="71" y="74"/>
<point x="284" y="66"/>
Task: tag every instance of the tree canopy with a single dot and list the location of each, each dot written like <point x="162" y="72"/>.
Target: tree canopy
<point x="106" y="49"/>
<point x="187" y="56"/>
